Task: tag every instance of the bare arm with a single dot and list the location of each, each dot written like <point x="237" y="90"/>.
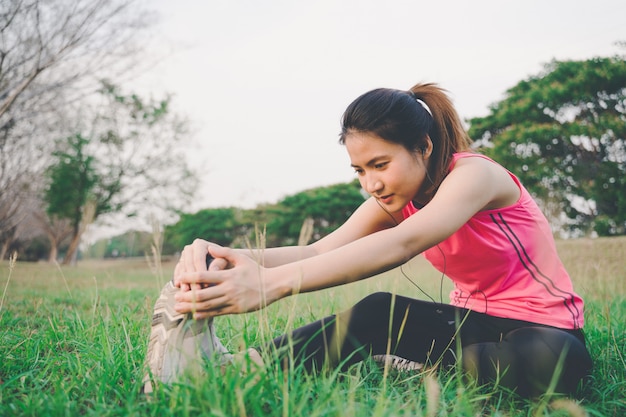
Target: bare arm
<point x="367" y="219"/>
<point x="472" y="186"/>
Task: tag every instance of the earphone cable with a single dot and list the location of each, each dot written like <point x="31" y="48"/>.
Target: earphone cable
<point x="407" y="277"/>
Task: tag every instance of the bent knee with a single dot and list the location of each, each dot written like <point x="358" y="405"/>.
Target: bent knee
<point x="531" y="360"/>
<point x="376" y="301"/>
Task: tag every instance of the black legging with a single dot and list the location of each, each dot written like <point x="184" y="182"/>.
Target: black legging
<point x="521" y="355"/>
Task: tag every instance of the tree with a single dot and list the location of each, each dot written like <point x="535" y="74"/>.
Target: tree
<point x="56" y="230"/>
<point x="53" y="47"/>
<point x="219" y="225"/>
<point x="131" y="161"/>
<point x="564" y="133"/>
<point x="323" y="209"/>
<point x="328" y="207"/>
<point x="76" y="192"/>
<point x="17" y="177"/>
<point x="52" y="56"/>
<point x="140" y="145"/>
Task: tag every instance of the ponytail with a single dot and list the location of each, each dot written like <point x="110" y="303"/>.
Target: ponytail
<point x="446" y="133"/>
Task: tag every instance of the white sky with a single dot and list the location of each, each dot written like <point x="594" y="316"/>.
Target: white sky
<point x="265" y="82"/>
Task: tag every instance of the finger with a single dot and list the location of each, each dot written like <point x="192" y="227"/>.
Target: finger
<point x="217" y="251"/>
<point x="200" y="251"/>
<point x="201" y="304"/>
<point x="198" y="295"/>
<point x="218" y="264"/>
<point x="181" y="267"/>
<point x="207" y="278"/>
<point x="177" y="272"/>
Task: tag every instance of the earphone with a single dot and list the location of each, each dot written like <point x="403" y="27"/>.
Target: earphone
<point x="443" y="274"/>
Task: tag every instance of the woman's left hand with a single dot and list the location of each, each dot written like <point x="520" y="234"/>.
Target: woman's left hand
<point x="239" y="289"/>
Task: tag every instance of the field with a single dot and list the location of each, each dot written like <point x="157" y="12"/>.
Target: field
<point x="72" y="342"/>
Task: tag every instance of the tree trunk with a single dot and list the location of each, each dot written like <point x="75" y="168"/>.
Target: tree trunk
<point x="71" y="250"/>
<point x="54" y="251"/>
<point x="3" y="249"/>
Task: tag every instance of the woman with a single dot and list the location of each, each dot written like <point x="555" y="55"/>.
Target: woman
<point x="513" y="309"/>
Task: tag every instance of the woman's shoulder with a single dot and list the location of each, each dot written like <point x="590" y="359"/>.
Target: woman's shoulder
<point x="470" y="156"/>
<point x="504" y="187"/>
<point x="479" y="162"/>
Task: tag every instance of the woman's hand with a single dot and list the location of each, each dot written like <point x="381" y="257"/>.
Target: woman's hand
<point x="193" y="259"/>
<point x="220" y="291"/>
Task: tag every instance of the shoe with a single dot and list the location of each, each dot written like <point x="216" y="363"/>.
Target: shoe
<point x="397" y="363"/>
<point x="179" y="343"/>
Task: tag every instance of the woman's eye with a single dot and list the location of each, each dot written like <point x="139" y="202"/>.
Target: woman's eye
<point x="380" y="165"/>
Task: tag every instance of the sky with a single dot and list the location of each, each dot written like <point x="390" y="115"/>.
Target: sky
<point x="264" y="83"/>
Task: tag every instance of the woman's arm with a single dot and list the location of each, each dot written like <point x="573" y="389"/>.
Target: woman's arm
<point x="473" y="185"/>
<point x="367" y="218"/>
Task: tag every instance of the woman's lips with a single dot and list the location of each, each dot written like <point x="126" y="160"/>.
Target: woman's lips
<point x="385" y="199"/>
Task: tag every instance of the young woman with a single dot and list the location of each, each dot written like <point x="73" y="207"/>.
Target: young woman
<point x="513" y="309"/>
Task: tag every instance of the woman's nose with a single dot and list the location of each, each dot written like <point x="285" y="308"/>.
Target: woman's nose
<point x="374" y="185"/>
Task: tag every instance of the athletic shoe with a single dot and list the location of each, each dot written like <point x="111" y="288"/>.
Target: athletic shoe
<point x="397" y="363"/>
<point x="179" y="343"/>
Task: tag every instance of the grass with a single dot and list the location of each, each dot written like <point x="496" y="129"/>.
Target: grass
<point x="72" y="342"/>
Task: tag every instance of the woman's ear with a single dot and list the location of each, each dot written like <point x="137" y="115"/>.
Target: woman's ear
<point x="427" y="149"/>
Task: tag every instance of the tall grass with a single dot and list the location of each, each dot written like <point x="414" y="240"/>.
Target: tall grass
<point x="72" y="342"/>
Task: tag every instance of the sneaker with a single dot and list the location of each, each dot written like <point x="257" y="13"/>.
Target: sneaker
<point x="397" y="363"/>
<point x="178" y="343"/>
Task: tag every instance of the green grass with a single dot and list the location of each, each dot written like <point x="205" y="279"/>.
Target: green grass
<point x="72" y="342"/>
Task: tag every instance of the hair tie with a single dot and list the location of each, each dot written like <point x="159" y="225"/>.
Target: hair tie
<point x="424" y="105"/>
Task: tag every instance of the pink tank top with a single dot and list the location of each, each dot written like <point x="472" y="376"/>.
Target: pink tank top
<point x="504" y="263"/>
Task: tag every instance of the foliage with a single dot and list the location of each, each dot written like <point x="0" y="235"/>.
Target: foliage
<point x="328" y="207"/>
<point x="218" y="225"/>
<point x="564" y="133"/>
<point x="74" y="188"/>
<point x="74" y="183"/>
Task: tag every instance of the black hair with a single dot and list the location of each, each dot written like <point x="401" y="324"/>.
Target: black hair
<point x="393" y="115"/>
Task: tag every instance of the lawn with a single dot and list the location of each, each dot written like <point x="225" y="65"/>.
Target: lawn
<point x="72" y="341"/>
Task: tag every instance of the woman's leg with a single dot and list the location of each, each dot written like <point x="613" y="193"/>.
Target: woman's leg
<point x="530" y="360"/>
<point x="381" y="323"/>
<point x="518" y="354"/>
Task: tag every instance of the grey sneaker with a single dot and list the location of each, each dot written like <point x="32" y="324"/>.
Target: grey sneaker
<point x="178" y="343"/>
<point x="397" y="363"/>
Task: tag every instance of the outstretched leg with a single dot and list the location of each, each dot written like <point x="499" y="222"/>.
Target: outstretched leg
<point x="380" y="324"/>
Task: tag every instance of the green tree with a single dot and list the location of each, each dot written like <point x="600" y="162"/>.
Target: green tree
<point x="75" y="191"/>
<point x="323" y="209"/>
<point x="130" y="162"/>
<point x="564" y="133"/>
<point x="327" y="207"/>
<point x="218" y="225"/>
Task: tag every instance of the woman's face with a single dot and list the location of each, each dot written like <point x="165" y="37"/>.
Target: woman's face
<point x="386" y="170"/>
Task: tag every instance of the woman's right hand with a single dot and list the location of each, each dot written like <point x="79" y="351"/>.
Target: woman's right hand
<point x="193" y="259"/>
